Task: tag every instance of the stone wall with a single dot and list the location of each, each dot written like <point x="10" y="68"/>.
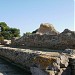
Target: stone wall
<point x="61" y="41"/>
<point x="47" y="36"/>
<point x="37" y="62"/>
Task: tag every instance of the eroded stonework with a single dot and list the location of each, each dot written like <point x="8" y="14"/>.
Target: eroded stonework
<point x="37" y="62"/>
<point x="43" y="62"/>
<point x="61" y="41"/>
<point x="47" y="37"/>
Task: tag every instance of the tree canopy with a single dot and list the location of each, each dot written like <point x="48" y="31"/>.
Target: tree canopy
<point x="8" y="32"/>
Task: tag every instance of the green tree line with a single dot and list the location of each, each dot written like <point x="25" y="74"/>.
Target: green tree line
<point x="7" y="33"/>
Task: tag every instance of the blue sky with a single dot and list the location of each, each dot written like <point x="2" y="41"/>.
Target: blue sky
<point x="27" y="15"/>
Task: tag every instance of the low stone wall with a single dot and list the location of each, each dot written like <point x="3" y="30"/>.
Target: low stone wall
<point x="37" y="62"/>
<point x="61" y="41"/>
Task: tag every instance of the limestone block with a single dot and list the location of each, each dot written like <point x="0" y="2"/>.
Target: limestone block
<point x="63" y="61"/>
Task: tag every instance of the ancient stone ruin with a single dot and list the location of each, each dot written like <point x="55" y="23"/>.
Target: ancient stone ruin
<point x="38" y="62"/>
<point x="38" y="57"/>
<point x="47" y="37"/>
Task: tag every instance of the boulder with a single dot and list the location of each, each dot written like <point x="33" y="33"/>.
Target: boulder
<point x="46" y="28"/>
<point x="63" y="61"/>
<point x="68" y="33"/>
<point x="67" y="38"/>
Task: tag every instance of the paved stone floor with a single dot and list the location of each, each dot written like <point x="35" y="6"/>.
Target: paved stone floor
<point x="9" y="69"/>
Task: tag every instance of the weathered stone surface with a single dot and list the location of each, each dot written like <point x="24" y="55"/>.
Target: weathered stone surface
<point x="5" y="42"/>
<point x="46" y="28"/>
<point x="49" y="38"/>
<point x="64" y="61"/>
<point x="37" y="62"/>
<point x="8" y="69"/>
<point x="37" y="71"/>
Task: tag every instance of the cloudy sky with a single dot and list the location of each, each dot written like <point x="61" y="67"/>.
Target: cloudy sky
<point x="27" y="15"/>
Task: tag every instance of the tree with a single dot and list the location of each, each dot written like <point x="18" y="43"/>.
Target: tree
<point x="3" y="26"/>
<point x="6" y="35"/>
<point x="15" y="32"/>
<point x="8" y="32"/>
<point x="28" y="33"/>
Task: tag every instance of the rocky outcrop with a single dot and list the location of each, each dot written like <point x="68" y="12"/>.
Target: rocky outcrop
<point x="47" y="37"/>
<point x="67" y="39"/>
<point x="67" y="33"/>
<point x="46" y="28"/>
<point x="37" y="62"/>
